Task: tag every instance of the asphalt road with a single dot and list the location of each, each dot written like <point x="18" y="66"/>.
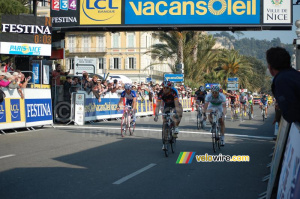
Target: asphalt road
<point x="93" y="162"/>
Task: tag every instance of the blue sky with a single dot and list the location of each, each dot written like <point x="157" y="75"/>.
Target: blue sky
<point x="286" y="37"/>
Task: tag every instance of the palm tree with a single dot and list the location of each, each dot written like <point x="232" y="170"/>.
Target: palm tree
<point x="235" y="65"/>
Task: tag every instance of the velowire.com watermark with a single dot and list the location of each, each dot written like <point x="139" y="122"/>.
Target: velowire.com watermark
<point x="187" y="158"/>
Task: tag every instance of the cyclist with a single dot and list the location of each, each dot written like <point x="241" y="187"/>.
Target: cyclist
<point x="130" y="96"/>
<point x="243" y="101"/>
<point x="233" y="99"/>
<point x="250" y="102"/>
<point x="264" y="104"/>
<point x="200" y="96"/>
<point x="217" y="101"/>
<point x="169" y="95"/>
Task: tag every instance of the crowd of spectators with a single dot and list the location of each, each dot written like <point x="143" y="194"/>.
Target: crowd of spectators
<point x="12" y="79"/>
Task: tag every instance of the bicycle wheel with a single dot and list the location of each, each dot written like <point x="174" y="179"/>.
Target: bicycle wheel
<point x="198" y="120"/>
<point x="172" y="141"/>
<point x="165" y="133"/>
<point x="131" y="125"/>
<point x="214" y="140"/>
<point x="263" y="115"/>
<point x="218" y="138"/>
<point x="123" y="125"/>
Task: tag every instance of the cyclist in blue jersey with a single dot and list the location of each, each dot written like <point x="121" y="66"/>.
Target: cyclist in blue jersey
<point x="264" y="104"/>
<point x="130" y="96"/>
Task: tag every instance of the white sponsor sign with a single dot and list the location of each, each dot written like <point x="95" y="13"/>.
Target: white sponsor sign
<point x="79" y="109"/>
<point x="232" y="86"/>
<point x="277" y="11"/>
<point x="25" y="49"/>
<point x="289" y="183"/>
<point x="84" y="65"/>
<point x="46" y="74"/>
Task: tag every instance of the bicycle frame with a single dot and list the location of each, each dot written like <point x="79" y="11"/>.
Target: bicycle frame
<point x="126" y="119"/>
<point x="167" y="132"/>
<point x="215" y="130"/>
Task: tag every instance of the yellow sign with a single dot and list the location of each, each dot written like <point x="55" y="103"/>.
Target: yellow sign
<point x="100" y="12"/>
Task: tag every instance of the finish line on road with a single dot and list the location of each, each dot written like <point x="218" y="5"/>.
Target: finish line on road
<point x="134" y="174"/>
<point x="159" y="130"/>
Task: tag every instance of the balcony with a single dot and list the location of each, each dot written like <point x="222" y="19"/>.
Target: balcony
<point x="88" y="50"/>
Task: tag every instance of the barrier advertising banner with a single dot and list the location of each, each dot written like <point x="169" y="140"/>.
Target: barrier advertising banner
<point x="12" y="113"/>
<point x="38" y="107"/>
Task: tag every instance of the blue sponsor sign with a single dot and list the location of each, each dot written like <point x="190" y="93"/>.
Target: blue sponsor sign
<point x="36" y="72"/>
<point x="174" y="77"/>
<point x="24" y="49"/>
<point x="206" y="12"/>
<point x="209" y="85"/>
<point x="15" y="110"/>
<point x="64" y="4"/>
<point x="233" y="79"/>
<point x="107" y="106"/>
<point x="2" y="112"/>
<point x="38" y="110"/>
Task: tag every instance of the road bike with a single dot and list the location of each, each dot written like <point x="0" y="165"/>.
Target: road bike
<point x="168" y="129"/>
<point x="249" y="111"/>
<point x="200" y="121"/>
<point x="234" y="114"/>
<point x="215" y="130"/>
<point x="242" y="114"/>
<point x="126" y="121"/>
<point x="263" y="111"/>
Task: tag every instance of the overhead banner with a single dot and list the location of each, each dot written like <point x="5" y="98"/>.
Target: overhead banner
<point x="143" y="14"/>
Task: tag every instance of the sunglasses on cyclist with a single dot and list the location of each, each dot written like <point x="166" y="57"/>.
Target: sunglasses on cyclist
<point x="166" y="87"/>
<point x="215" y="92"/>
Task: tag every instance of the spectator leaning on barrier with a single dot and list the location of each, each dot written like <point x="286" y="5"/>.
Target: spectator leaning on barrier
<point x="14" y="84"/>
<point x="56" y="75"/>
<point x="4" y="82"/>
<point x="286" y="83"/>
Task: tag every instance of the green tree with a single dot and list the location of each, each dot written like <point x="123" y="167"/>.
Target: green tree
<point x="232" y="64"/>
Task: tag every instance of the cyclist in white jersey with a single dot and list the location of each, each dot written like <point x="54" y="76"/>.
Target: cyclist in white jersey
<point x="130" y="96"/>
<point x="216" y="101"/>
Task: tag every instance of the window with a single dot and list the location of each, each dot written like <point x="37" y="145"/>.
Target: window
<point x="101" y="43"/>
<point x="71" y="43"/>
<point x="71" y="63"/>
<point x="102" y="63"/>
<point x="86" y="43"/>
<point x="115" y="63"/>
<point x="130" y="40"/>
<point x="115" y="40"/>
<point x="130" y="63"/>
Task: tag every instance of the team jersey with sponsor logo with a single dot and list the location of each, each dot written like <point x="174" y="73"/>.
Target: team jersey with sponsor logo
<point x="215" y="101"/>
<point x="168" y="99"/>
<point x="129" y="97"/>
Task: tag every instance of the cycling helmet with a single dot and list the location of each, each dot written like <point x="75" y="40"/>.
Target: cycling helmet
<point x="264" y="96"/>
<point x="167" y="84"/>
<point x="249" y="92"/>
<point x="221" y="90"/>
<point x="201" y="88"/>
<point x="127" y="87"/>
<point x="243" y="94"/>
<point x="215" y="89"/>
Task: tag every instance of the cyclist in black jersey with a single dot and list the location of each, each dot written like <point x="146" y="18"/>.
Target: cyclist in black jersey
<point x="169" y="96"/>
<point x="200" y="96"/>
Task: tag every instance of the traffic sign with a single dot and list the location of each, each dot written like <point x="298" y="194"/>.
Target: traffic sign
<point x="84" y="65"/>
<point x="174" y="77"/>
<point x="232" y="86"/>
<point x="233" y="79"/>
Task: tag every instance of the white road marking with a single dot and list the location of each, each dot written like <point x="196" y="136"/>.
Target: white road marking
<point x="7" y="156"/>
<point x="134" y="174"/>
<point x="159" y="130"/>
